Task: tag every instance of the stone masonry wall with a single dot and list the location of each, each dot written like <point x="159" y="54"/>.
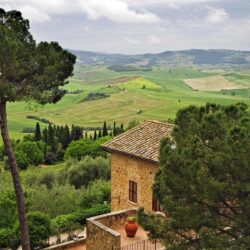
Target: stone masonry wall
<point x="125" y="168"/>
<point x="100" y="235"/>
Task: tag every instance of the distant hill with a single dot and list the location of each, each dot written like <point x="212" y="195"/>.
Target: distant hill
<point x="192" y="57"/>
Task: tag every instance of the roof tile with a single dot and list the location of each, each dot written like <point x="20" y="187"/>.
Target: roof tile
<point x="143" y="141"/>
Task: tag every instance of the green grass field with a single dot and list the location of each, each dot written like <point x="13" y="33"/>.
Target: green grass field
<point x="156" y="94"/>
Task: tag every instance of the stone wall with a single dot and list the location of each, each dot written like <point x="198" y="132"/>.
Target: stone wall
<point x="67" y="245"/>
<point x="125" y="168"/>
<point x="100" y="235"/>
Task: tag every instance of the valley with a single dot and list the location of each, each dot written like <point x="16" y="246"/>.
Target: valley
<point x="132" y="95"/>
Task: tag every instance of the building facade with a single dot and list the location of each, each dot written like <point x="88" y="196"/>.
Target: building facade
<point x="134" y="163"/>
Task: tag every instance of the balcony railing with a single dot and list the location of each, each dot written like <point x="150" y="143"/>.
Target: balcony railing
<point x="142" y="245"/>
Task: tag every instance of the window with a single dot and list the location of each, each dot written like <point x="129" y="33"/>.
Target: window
<point x="133" y="191"/>
<point x="156" y="206"/>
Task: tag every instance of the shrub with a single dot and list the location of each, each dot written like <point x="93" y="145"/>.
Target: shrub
<point x="64" y="223"/>
<point x="32" y="150"/>
<point x="39" y="229"/>
<point x="96" y="193"/>
<point x="94" y="96"/>
<point x="50" y="158"/>
<point x="8" y="213"/>
<point x="54" y="201"/>
<point x="87" y="170"/>
<point x="8" y="238"/>
<point x="48" y="179"/>
<point x="84" y="147"/>
<point x="22" y="159"/>
<point x="28" y="130"/>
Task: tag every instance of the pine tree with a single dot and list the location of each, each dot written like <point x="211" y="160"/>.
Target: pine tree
<point x="203" y="180"/>
<point x="104" y="130"/>
<point x="38" y="132"/>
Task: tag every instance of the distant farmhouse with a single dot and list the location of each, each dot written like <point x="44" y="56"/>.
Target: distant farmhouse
<point x="134" y="162"/>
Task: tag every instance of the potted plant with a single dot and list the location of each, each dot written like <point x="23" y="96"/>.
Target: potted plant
<point x="131" y="226"/>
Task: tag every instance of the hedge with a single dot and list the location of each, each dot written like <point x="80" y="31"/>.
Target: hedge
<point x="64" y="223"/>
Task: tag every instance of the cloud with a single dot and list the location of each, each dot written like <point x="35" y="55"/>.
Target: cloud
<point x="131" y="41"/>
<point x="120" y="11"/>
<point x="117" y="11"/>
<point x="154" y="40"/>
<point x="35" y="15"/>
<point x="216" y="16"/>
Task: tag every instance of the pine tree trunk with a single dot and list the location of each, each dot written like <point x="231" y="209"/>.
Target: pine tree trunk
<point x="15" y="177"/>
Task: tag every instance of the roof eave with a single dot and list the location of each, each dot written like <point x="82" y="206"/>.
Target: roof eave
<point x="111" y="150"/>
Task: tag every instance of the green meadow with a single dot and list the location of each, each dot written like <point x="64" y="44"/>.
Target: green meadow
<point x="137" y="95"/>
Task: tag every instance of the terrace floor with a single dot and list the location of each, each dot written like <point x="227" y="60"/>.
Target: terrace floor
<point x="140" y="236"/>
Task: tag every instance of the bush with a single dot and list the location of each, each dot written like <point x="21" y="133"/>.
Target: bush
<point x="87" y="170"/>
<point x="8" y="238"/>
<point x="8" y="211"/>
<point x="39" y="229"/>
<point x="50" y="158"/>
<point x="28" y="153"/>
<point x="64" y="223"/>
<point x="84" y="147"/>
<point x="94" y="96"/>
<point x="48" y="179"/>
<point x="54" y="201"/>
<point x="22" y="159"/>
<point x="96" y="193"/>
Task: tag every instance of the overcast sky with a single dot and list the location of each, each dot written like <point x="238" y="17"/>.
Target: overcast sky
<point x="138" y="26"/>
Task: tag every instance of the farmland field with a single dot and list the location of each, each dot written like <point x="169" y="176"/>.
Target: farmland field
<point x="156" y="94"/>
<point x="212" y="83"/>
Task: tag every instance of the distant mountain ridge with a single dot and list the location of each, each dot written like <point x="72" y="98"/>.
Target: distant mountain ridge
<point x="191" y="57"/>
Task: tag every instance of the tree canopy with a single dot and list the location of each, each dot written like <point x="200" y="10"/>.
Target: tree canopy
<point x="203" y="182"/>
<point x="29" y="70"/>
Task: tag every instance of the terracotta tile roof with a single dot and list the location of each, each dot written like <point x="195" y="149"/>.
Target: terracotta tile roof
<point x="143" y="141"/>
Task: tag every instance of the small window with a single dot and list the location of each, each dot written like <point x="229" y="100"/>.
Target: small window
<point x="156" y="206"/>
<point x="133" y="191"/>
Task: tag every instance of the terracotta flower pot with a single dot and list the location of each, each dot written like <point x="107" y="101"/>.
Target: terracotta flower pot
<point x="131" y="227"/>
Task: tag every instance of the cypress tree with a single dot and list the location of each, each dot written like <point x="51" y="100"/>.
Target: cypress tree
<point x="104" y="130"/>
<point x="51" y="138"/>
<point x="95" y="135"/>
<point x="90" y="137"/>
<point x="114" y="129"/>
<point x="86" y="135"/>
<point x="45" y="135"/>
<point x="100" y="134"/>
<point x="76" y="133"/>
<point x="38" y="132"/>
<point x="67" y="136"/>
<point x="122" y="128"/>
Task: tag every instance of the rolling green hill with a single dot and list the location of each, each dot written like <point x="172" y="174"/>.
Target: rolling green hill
<point x="129" y="95"/>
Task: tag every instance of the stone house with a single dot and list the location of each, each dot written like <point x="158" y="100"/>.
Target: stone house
<point x="134" y="162"/>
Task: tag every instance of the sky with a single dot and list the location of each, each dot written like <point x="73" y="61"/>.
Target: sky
<point x="138" y="26"/>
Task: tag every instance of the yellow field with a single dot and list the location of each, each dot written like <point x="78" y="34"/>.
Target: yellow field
<point x="212" y="83"/>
